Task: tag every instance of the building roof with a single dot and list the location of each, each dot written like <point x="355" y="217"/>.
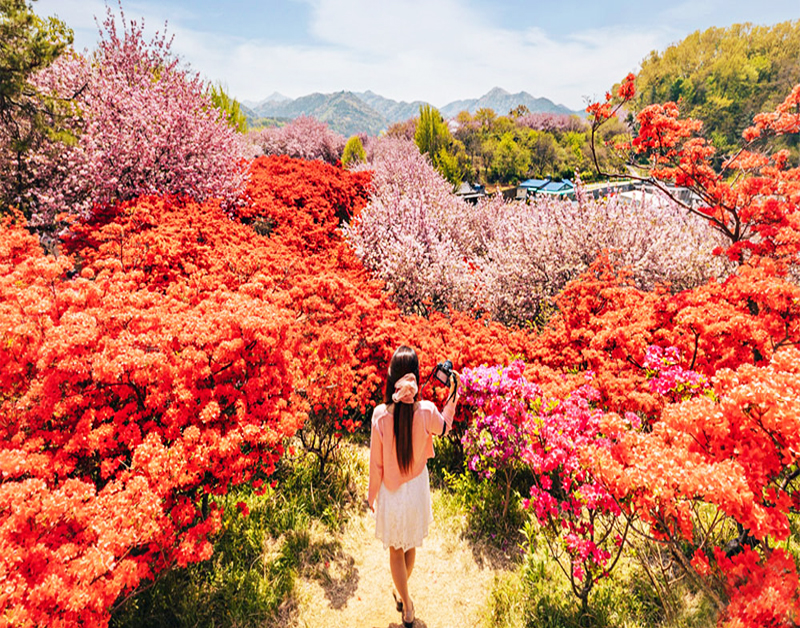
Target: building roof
<point x="548" y="186"/>
<point x="534" y="183"/>
<point x="467" y="189"/>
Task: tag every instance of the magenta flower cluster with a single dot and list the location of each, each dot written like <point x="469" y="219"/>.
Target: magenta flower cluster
<point x="513" y="423"/>
<point x="504" y="406"/>
<point x="668" y="378"/>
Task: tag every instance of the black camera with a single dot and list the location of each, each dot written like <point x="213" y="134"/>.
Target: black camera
<point x="444" y="372"/>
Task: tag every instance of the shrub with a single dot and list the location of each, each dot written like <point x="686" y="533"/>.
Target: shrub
<point x="354" y="152"/>
<point x="302" y="138"/>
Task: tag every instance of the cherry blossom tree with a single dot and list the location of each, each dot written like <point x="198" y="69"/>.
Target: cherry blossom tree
<point x="509" y="259"/>
<point x="144" y="125"/>
<point x="302" y="138"/>
<point x="552" y="122"/>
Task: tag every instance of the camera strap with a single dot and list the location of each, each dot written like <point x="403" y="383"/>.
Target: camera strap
<point x="430" y="377"/>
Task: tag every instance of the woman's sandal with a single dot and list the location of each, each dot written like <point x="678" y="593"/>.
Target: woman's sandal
<point x="408" y="623"/>
<point x="398" y="603"/>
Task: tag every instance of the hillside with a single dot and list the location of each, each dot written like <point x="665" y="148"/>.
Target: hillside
<point x="344" y="112"/>
<point x="392" y="110"/>
<point x="724" y="76"/>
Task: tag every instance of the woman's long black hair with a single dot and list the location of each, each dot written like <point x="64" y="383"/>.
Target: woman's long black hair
<point x="404" y="361"/>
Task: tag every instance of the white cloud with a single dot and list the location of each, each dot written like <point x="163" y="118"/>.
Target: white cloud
<point x="435" y="50"/>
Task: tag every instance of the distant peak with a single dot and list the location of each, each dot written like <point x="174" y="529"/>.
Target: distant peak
<point x="276" y="97"/>
<point x="497" y="91"/>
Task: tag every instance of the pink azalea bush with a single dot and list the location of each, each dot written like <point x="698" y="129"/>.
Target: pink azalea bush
<point x="302" y="138"/>
<point x="668" y="378"/>
<point x="499" y="428"/>
<point x="144" y="125"/>
<point x="509" y="259"/>
<point x="513" y="425"/>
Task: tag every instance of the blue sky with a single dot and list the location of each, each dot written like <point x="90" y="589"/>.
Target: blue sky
<point x="433" y="50"/>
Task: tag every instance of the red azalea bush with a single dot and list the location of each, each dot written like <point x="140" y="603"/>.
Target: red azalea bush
<point x="714" y="470"/>
<point x="165" y="356"/>
<point x="736" y="450"/>
<point x="761" y="592"/>
<point x="697" y="421"/>
<point x="303" y="202"/>
<point x="177" y="340"/>
<point x="752" y="199"/>
<point x="124" y="409"/>
<point x="732" y="451"/>
<point x="604" y="324"/>
<point x="156" y="364"/>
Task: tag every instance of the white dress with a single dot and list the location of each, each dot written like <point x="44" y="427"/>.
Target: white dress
<point x="402" y="517"/>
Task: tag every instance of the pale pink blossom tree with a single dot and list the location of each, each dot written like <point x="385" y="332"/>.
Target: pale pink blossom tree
<point x="144" y="125"/>
<point x="302" y="138"/>
<point x="552" y="122"/>
<point x="509" y="259"/>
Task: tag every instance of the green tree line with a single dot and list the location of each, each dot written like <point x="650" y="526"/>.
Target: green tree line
<point x="488" y="148"/>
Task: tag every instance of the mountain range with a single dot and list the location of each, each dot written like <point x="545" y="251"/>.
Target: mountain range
<point x="349" y="113"/>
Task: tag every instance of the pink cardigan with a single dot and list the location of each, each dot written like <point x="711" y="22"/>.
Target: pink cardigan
<point x="383" y="466"/>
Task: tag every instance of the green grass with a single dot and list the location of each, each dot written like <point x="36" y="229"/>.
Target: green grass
<point x="449" y="458"/>
<point x="536" y="595"/>
<point x="481" y="500"/>
<point x="250" y="580"/>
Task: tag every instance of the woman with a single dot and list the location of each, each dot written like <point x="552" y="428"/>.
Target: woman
<point x="402" y="441"/>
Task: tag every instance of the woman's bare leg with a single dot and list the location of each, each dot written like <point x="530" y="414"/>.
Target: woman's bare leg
<point x="411" y="555"/>
<point x="397" y="562"/>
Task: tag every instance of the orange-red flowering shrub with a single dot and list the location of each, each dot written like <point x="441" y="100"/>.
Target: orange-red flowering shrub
<point x="123" y="408"/>
<point x="169" y="350"/>
<point x="752" y="199"/>
<point x="761" y="592"/>
<point x="304" y="201"/>
<point x="605" y="324"/>
<point x="738" y="450"/>
<point x="732" y="452"/>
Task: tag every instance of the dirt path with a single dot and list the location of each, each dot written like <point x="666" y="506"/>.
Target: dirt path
<point x="449" y="586"/>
